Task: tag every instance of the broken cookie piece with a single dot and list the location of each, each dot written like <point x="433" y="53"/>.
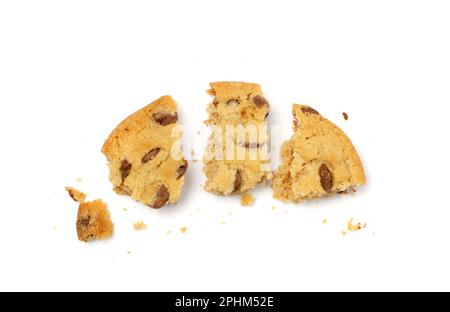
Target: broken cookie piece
<point x="75" y="194"/>
<point x="93" y="221"/>
<point x="237" y="157"/>
<point x="319" y="160"/>
<point x="144" y="155"/>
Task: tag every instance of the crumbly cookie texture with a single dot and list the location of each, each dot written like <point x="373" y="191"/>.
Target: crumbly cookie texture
<point x="144" y="155"/>
<point x="237" y="155"/>
<point x="93" y="221"/>
<point x="75" y="194"/>
<point x="318" y="161"/>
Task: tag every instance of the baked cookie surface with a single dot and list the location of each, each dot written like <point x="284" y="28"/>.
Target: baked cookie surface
<point x="144" y="155"/>
<point x="319" y="160"/>
<point x="237" y="155"/>
<point x="93" y="221"/>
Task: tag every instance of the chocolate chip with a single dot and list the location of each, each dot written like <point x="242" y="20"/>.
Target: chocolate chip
<point x="237" y="181"/>
<point x="125" y="168"/>
<point x="251" y="145"/>
<point x="162" y="196"/>
<point x="182" y="169"/>
<point x="267" y="115"/>
<point x="215" y="103"/>
<point x="260" y="101"/>
<point x="165" y="119"/>
<point x="233" y="102"/>
<point x="84" y="221"/>
<point x="150" y="155"/>
<point x="326" y="178"/>
<point x="309" y="110"/>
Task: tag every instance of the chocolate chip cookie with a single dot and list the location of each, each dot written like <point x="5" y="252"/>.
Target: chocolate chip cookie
<point x="237" y="155"/>
<point x="319" y="160"/>
<point x="93" y="221"/>
<point x="144" y="155"/>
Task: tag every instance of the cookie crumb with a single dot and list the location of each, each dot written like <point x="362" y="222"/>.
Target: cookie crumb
<point x="247" y="199"/>
<point x="75" y="194"/>
<point x="345" y="115"/>
<point x="79" y="180"/>
<point x="139" y="226"/>
<point x="274" y="208"/>
<point x="124" y="209"/>
<point x="230" y="213"/>
<point x="168" y="232"/>
<point x="324" y="221"/>
<point x="353" y="227"/>
<point x="223" y="222"/>
<point x="128" y="252"/>
<point x="344" y="233"/>
<point x="93" y="221"/>
<point x="183" y="230"/>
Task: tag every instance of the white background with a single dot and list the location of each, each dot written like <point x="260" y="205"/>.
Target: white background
<point x="71" y="70"/>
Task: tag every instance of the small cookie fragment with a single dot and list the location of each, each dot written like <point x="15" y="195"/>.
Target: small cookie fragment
<point x="319" y="160"/>
<point x="247" y="199"/>
<point x="183" y="230"/>
<point x="144" y="155"/>
<point x="93" y="221"/>
<point x="75" y="194"/>
<point x="353" y="227"/>
<point x="345" y="115"/>
<point x="139" y="226"/>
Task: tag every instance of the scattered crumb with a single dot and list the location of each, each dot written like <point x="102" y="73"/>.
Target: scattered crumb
<point x="79" y="180"/>
<point x="274" y="208"/>
<point x="129" y="252"/>
<point x="75" y="194"/>
<point x="139" y="226"/>
<point x="223" y="222"/>
<point x="198" y="209"/>
<point x="94" y="221"/>
<point x="193" y="154"/>
<point x="344" y="233"/>
<point x="247" y="199"/>
<point x="124" y="209"/>
<point x="230" y="213"/>
<point x="54" y="227"/>
<point x="345" y="115"/>
<point x="183" y="230"/>
<point x="373" y="233"/>
<point x="168" y="232"/>
<point x="198" y="132"/>
<point x="352" y="227"/>
<point x="324" y="221"/>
